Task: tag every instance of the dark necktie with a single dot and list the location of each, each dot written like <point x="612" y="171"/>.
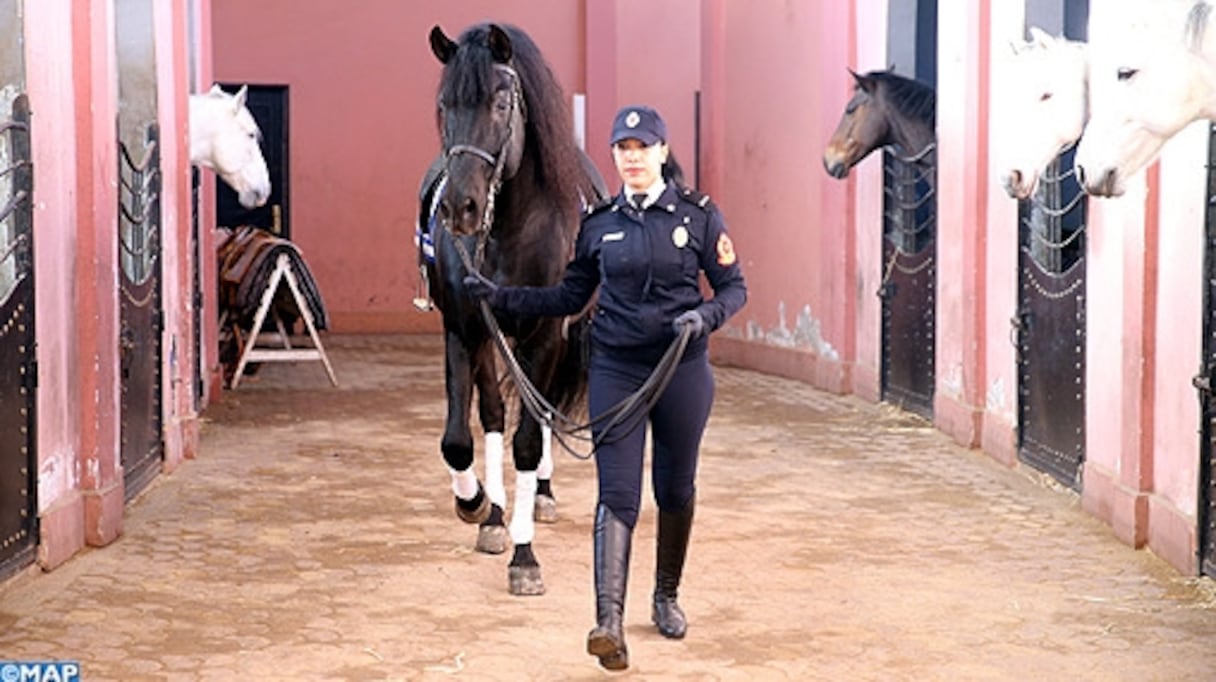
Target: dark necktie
<point x="637" y="199"/>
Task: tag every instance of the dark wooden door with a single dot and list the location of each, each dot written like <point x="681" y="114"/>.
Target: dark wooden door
<point x="1050" y="325"/>
<point x="141" y="320"/>
<point x="268" y="105"/>
<point x="18" y="368"/>
<point x="909" y="281"/>
<point x="1205" y="380"/>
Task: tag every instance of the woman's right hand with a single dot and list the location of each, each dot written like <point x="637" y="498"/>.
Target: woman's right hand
<point x="478" y="287"/>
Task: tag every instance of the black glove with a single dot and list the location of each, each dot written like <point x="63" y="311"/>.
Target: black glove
<point x="478" y="287"/>
<point x="691" y="319"/>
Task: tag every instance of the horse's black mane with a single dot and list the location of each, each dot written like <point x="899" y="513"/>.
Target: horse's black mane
<point x="467" y="82"/>
<point x="910" y="98"/>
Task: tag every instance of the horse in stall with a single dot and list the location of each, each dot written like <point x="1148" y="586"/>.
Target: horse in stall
<point x="1049" y="100"/>
<point x="507" y="201"/>
<point x="1147" y="84"/>
<point x="886" y="110"/>
<point x="225" y="138"/>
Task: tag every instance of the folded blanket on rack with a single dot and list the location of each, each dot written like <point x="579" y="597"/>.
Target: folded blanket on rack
<point x="247" y="257"/>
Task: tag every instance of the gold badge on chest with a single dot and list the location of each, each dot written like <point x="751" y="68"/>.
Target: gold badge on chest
<point x="679" y="236"/>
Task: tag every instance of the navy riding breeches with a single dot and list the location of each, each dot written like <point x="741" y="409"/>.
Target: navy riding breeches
<point x="677" y="420"/>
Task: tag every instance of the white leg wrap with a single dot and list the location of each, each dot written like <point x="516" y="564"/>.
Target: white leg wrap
<point x="522" y="527"/>
<point x="494" y="454"/>
<point x="545" y="470"/>
<point x="464" y="483"/>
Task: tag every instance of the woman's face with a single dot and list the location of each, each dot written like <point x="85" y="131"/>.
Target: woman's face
<point x="639" y="165"/>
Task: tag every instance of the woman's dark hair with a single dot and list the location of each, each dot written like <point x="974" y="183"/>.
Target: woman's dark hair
<point x="672" y="172"/>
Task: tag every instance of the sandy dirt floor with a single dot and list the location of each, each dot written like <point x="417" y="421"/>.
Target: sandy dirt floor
<point x="314" y="538"/>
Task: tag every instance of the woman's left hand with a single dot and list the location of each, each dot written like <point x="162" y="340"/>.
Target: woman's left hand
<point x="691" y="319"/>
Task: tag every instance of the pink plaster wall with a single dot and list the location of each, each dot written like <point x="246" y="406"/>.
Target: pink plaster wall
<point x="962" y="194"/>
<point x="1179" y="330"/>
<point x="53" y="136"/>
<point x="362" y="85"/>
<point x="177" y="340"/>
<point x="642" y="52"/>
<point x="783" y="94"/>
<point x="1000" y="386"/>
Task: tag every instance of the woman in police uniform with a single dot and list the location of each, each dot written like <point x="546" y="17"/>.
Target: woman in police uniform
<point x="645" y="251"/>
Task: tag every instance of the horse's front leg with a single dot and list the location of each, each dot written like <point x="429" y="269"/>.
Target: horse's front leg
<point x="492" y="537"/>
<point x="472" y="504"/>
<point x="528" y="446"/>
<point x="524" y="577"/>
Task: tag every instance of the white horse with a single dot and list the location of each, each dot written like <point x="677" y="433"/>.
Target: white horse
<point x="1049" y="100"/>
<point x="225" y="138"/>
<point x="1146" y="87"/>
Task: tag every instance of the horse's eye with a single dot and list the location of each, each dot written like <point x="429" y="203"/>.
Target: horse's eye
<point x="1044" y="97"/>
<point x="1126" y="73"/>
<point x="851" y="106"/>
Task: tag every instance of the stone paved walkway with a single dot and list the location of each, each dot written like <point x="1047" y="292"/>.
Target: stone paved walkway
<point x="314" y="538"/>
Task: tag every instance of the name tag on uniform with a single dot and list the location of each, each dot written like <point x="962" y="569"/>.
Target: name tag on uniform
<point x="613" y="237"/>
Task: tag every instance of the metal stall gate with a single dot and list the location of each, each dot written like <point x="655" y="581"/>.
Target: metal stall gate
<point x="909" y="280"/>
<point x="1050" y="325"/>
<point x="18" y="367"/>
<point x="139" y="245"/>
<point x="18" y="456"/>
<point x="1206" y="379"/>
<point x="139" y="337"/>
<point x="909" y="245"/>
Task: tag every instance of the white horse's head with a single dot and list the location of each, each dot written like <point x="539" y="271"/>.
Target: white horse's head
<point x="1048" y="100"/>
<point x="1144" y="91"/>
<point x="225" y="138"/>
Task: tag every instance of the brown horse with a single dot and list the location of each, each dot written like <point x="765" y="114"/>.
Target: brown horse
<point x="886" y="110"/>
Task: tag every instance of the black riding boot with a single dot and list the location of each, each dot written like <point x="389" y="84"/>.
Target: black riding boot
<point x="674" y="529"/>
<point x="612" y="541"/>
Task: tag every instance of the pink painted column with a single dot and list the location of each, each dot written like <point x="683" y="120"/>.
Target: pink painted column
<point x="866" y="187"/>
<point x="961" y="218"/>
<point x="1121" y="286"/>
<point x="203" y="77"/>
<point x="97" y="279"/>
<point x="601" y="80"/>
<point x="180" y="430"/>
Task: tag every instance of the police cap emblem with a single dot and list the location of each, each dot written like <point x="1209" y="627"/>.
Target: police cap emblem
<point x="633" y="119"/>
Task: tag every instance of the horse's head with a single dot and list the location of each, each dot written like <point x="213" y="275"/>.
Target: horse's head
<point x="886" y="109"/>
<point x="481" y="115"/>
<point x="1048" y="100"/>
<point x="225" y="138"/>
<point x="863" y="127"/>
<point x="1146" y="86"/>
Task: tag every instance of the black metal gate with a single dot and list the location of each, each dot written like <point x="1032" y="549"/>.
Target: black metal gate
<point x="1205" y="380"/>
<point x="1050" y="325"/>
<point x="141" y="318"/>
<point x="18" y="369"/>
<point x="909" y="279"/>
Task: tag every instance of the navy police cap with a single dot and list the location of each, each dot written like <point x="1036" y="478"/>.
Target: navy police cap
<point x="638" y="122"/>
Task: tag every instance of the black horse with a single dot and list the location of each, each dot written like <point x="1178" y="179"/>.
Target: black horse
<point x="506" y="198"/>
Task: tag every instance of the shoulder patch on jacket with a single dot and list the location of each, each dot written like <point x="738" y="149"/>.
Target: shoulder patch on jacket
<point x="599" y="206"/>
<point x="692" y="196"/>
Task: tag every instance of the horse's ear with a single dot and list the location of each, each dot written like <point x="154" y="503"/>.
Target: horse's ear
<point x="215" y="89"/>
<point x="863" y="82"/>
<point x="238" y="100"/>
<point x="441" y="45"/>
<point x="500" y="44"/>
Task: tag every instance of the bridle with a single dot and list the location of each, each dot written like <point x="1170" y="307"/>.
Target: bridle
<point x="497" y="162"/>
